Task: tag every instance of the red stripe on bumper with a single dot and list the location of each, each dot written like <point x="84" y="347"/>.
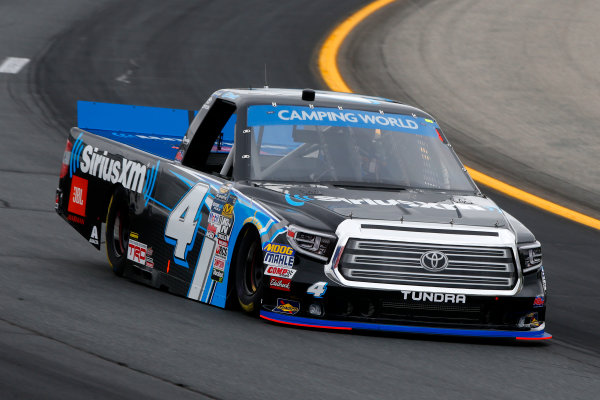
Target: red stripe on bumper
<point x="343" y="328"/>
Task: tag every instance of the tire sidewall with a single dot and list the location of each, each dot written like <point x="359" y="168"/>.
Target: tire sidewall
<point x="249" y="302"/>
<point x="117" y="203"/>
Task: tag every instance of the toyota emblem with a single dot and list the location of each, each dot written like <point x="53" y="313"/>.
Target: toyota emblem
<point x="434" y="261"/>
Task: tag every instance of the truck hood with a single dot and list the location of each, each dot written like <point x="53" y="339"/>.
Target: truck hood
<point x="329" y="205"/>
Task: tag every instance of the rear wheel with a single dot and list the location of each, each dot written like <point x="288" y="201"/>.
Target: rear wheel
<point x="117" y="232"/>
<point x="249" y="272"/>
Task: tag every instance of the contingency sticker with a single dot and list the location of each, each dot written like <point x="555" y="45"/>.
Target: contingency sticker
<point x="278" y="255"/>
<point x="220" y="223"/>
<point x="285" y="306"/>
<point x="280" y="283"/>
<point x="78" y="197"/>
<point x="282" y="272"/>
<point x="538" y="301"/>
<point x="136" y="252"/>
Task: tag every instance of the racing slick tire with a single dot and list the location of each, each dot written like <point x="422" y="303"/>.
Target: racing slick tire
<point x="249" y="272"/>
<point x="117" y="232"/>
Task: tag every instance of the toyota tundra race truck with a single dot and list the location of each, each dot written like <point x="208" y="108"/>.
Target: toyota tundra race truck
<point x="308" y="208"/>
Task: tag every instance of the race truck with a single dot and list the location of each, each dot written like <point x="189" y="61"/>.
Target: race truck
<point x="309" y="208"/>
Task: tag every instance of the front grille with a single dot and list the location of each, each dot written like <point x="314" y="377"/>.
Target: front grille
<point x="398" y="263"/>
<point x="443" y="307"/>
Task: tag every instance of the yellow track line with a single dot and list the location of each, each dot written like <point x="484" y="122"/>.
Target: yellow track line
<point x="331" y="74"/>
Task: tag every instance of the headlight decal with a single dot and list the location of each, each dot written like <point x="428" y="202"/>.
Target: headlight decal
<point x="530" y="256"/>
<point x="316" y="244"/>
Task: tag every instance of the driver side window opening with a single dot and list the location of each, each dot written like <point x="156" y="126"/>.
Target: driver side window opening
<point x="211" y="149"/>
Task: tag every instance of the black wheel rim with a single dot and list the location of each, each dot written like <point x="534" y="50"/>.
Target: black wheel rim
<point x="253" y="272"/>
<point x="120" y="234"/>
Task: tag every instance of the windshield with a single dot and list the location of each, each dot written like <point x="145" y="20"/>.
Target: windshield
<point x="351" y="147"/>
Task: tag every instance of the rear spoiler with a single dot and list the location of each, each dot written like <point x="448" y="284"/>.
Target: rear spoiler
<point x="152" y="129"/>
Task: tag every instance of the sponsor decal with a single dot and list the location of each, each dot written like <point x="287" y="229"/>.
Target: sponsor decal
<point x="113" y="169"/>
<point x="228" y="210"/>
<point x="220" y="225"/>
<point x="539" y="301"/>
<point x="217" y="207"/>
<point x="285" y="306"/>
<point x="78" y="197"/>
<point x="149" y="252"/>
<point x="218" y="271"/>
<point x="404" y="203"/>
<point x="278" y="255"/>
<point x="529" y="321"/>
<point x="136" y="252"/>
<point x="223" y="194"/>
<point x="94" y="236"/>
<point x="264" y="115"/>
<point x="281" y="272"/>
<point x="149" y="261"/>
<point x="76" y="219"/>
<point x="280" y="283"/>
<point x="179" y="155"/>
<point x="347" y="116"/>
<point x="134" y="235"/>
<point x="434" y="297"/>
<point x="224" y="229"/>
<point x="297" y="200"/>
<point x="543" y="280"/>
<point x="211" y="231"/>
<point x="221" y="249"/>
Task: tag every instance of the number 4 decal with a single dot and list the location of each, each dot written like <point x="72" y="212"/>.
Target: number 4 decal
<point x="318" y="289"/>
<point x="182" y="224"/>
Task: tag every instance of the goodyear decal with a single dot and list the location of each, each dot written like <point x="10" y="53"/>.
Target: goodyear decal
<point x="278" y="255"/>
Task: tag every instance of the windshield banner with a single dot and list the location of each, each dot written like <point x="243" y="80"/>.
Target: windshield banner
<point x="297" y="115"/>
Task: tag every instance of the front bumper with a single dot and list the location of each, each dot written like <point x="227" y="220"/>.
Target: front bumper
<point x="350" y="325"/>
<point x="516" y="312"/>
<point x="343" y="308"/>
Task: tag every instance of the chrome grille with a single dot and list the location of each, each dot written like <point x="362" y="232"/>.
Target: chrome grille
<point x="469" y="267"/>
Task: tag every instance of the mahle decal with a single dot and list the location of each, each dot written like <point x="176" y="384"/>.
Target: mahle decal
<point x="278" y="255"/>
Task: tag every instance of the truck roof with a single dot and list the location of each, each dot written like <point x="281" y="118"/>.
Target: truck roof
<point x="322" y="98"/>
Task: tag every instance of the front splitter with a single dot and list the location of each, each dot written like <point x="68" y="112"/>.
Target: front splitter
<point x="350" y="325"/>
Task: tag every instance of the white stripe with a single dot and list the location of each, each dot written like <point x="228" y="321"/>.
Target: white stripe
<point x="202" y="268"/>
<point x="12" y="65"/>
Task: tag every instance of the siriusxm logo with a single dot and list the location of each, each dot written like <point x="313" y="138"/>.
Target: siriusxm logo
<point x="297" y="200"/>
<point x="130" y="174"/>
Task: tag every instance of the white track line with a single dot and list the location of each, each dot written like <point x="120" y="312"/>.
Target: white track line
<point x="12" y="65"/>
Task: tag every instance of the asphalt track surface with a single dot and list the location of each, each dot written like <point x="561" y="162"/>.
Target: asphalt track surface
<point x="70" y="329"/>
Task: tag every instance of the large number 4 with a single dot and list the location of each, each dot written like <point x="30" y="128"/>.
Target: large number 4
<point x="183" y="221"/>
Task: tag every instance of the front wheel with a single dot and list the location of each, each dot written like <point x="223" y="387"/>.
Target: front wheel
<point x="249" y="272"/>
<point x="117" y="232"/>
